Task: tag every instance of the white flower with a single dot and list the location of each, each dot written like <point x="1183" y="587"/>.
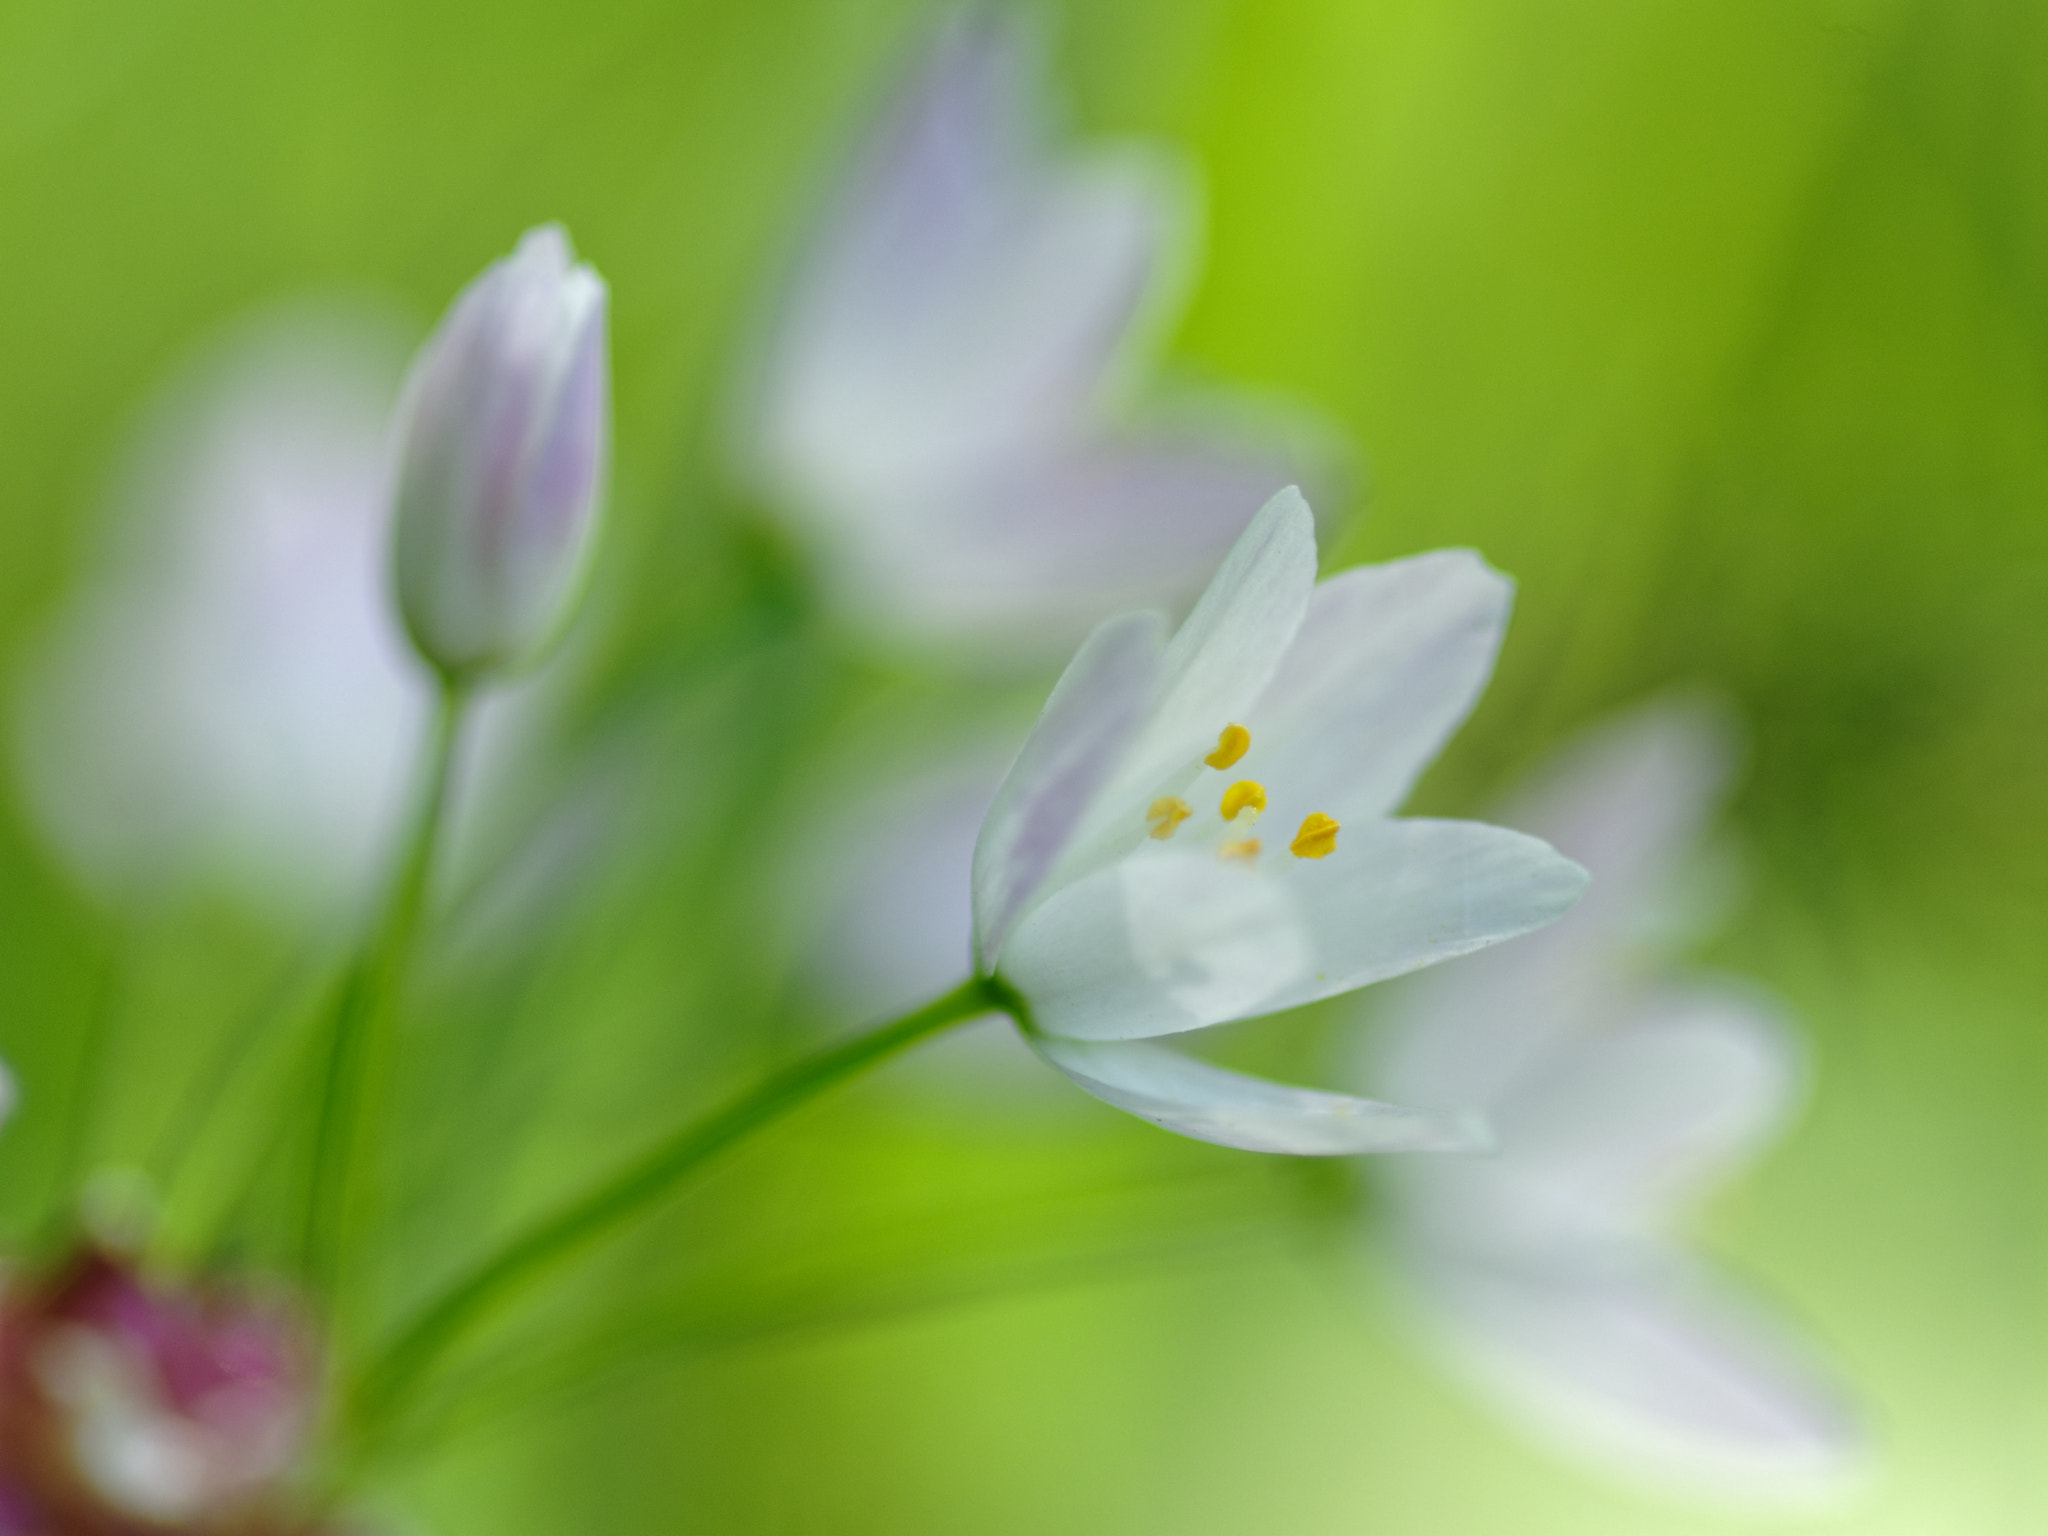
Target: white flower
<point x="504" y="433"/>
<point x="1550" y="1273"/>
<point x="940" y="406"/>
<point x="1119" y="886"/>
<point x="229" y="693"/>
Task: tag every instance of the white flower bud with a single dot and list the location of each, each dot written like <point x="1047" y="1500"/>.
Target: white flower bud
<point x="503" y="438"/>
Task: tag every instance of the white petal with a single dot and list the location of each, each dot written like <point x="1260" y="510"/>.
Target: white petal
<point x="1156" y="944"/>
<point x="1088" y="722"/>
<point x="1030" y="556"/>
<point x="1194" y="1098"/>
<point x="1629" y="802"/>
<point x="967" y="297"/>
<point x="1629" y="1125"/>
<point x="1388" y="663"/>
<point x="1647" y="1368"/>
<point x="1399" y="895"/>
<point x="1226" y="652"/>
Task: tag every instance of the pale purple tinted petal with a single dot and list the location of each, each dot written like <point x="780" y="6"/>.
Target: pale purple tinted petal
<point x="562" y="482"/>
<point x="961" y="127"/>
<point x="961" y="305"/>
<point x="503" y="437"/>
<point x="1194" y="1098"/>
<point x="1647" y="1367"/>
<point x="1088" y="722"/>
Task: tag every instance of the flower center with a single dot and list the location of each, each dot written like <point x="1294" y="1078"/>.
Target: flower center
<point x="1239" y="811"/>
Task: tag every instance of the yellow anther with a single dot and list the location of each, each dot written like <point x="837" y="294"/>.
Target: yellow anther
<point x="1243" y="851"/>
<point x="1317" y="838"/>
<point x="1166" y="815"/>
<point x="1246" y="795"/>
<point x="1232" y="744"/>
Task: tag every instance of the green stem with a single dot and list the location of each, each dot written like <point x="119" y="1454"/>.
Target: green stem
<point x="86" y="1093"/>
<point x="631" y="1192"/>
<point x="363" y="1009"/>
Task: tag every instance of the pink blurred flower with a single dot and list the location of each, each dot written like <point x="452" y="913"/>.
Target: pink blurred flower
<point x="130" y="1407"/>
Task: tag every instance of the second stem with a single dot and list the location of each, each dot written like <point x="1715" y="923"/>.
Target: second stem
<point x="361" y="1023"/>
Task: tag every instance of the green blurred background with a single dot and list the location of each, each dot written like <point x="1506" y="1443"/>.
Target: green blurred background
<point x="1722" y="327"/>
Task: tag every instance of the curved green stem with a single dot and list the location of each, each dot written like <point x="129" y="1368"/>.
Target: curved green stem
<point x="362" y="1016"/>
<point x="631" y="1192"/>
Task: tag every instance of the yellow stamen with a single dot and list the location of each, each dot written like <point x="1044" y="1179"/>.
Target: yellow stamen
<point x="1246" y="795"/>
<point x="1166" y="815"/>
<point x="1231" y="745"/>
<point x="1243" y="851"/>
<point x="1317" y="838"/>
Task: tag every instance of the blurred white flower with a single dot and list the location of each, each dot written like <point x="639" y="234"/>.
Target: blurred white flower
<point x="503" y="438"/>
<point x="1551" y="1273"/>
<point x="1118" y="885"/>
<point x="228" y="693"/>
<point x="941" y="406"/>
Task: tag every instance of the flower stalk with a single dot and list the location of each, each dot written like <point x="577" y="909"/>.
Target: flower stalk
<point x="358" y="1034"/>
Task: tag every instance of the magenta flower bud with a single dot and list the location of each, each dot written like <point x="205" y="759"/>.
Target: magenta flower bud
<point x="130" y="1407"/>
<point x="503" y="438"/>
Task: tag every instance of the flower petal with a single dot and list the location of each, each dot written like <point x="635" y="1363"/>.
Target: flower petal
<point x="1195" y="1098"/>
<point x="1077" y="743"/>
<point x="1029" y="557"/>
<point x="1632" y="1123"/>
<point x="1226" y="652"/>
<point x="1629" y="802"/>
<point x="1650" y="1368"/>
<point x="1399" y="895"/>
<point x="970" y="290"/>
<point x="1388" y="663"/>
<point x="1155" y="944"/>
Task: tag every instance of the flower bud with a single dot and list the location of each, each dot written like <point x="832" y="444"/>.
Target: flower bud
<point x="503" y="437"/>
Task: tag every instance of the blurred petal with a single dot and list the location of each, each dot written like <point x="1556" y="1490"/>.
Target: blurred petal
<point x="1399" y="895"/>
<point x="1156" y="944"/>
<point x="228" y="693"/>
<point x="1635" y="1122"/>
<point x="969" y="291"/>
<point x="1036" y="552"/>
<point x="1194" y="1098"/>
<point x="1647" y="1368"/>
<point x="1630" y="801"/>
<point x="1089" y="719"/>
<point x="1389" y="661"/>
<point x="880" y="879"/>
